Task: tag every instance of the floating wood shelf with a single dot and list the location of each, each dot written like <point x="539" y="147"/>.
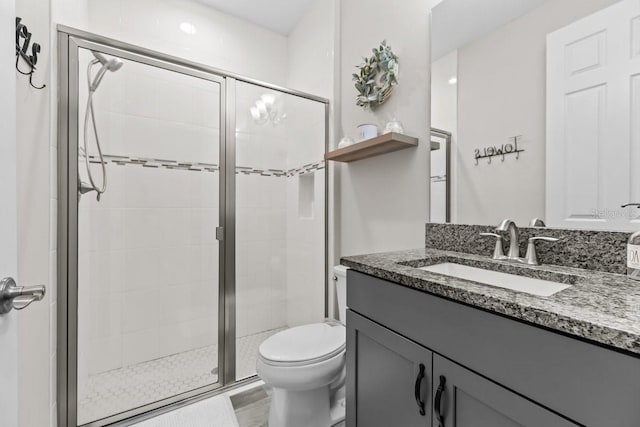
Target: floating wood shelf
<point x="372" y="147"/>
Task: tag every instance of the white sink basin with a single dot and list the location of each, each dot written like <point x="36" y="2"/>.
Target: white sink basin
<point x="543" y="288"/>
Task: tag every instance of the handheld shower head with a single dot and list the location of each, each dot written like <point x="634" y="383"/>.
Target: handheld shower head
<point x="112" y="64"/>
<point x="108" y="64"/>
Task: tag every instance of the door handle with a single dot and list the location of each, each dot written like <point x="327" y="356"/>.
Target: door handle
<point x="437" y="405"/>
<point x="220" y="233"/>
<point x="18" y="297"/>
<point x="416" y="391"/>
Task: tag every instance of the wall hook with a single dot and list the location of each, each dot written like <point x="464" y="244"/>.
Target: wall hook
<point x="23" y="41"/>
<point x="34" y="86"/>
<point x="499" y="150"/>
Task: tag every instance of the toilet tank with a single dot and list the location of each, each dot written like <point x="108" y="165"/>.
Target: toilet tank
<point x="340" y="278"/>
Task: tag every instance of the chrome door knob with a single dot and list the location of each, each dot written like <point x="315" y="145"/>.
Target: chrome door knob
<point x="18" y="297"/>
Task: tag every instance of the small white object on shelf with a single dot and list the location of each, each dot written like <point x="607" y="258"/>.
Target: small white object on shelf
<point x="345" y="142"/>
<point x="394" y="126"/>
<point x="367" y="131"/>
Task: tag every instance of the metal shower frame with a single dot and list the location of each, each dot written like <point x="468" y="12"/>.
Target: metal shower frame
<point x="70" y="40"/>
<point x="447" y="136"/>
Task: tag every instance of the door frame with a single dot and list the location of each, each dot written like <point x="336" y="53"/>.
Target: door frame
<point x="446" y="138"/>
<point x="70" y="40"/>
<point x="8" y="220"/>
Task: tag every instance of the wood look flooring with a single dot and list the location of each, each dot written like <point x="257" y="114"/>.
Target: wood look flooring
<point x="252" y="407"/>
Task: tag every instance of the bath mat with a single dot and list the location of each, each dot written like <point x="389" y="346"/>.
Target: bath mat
<point x="213" y="412"/>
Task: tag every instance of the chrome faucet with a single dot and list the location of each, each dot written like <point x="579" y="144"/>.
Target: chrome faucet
<point x="514" y="247"/>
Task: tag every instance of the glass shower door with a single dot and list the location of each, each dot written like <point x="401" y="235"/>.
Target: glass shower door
<point x="280" y="216"/>
<point x="148" y="258"/>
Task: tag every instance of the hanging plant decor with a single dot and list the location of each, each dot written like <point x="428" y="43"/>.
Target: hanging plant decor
<point x="376" y="77"/>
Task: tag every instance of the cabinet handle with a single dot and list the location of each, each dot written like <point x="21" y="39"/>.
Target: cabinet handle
<point x="418" y="386"/>
<point x="438" y="401"/>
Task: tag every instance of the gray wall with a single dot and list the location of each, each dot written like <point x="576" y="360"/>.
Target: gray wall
<point x="384" y="201"/>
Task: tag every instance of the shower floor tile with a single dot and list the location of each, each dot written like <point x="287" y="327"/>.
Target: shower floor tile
<point x="122" y="389"/>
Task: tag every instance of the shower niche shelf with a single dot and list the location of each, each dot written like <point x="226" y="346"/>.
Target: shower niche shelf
<point x="382" y="144"/>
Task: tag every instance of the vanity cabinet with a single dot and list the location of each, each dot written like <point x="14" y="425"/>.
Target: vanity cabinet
<point x="496" y="371"/>
<point x="396" y="382"/>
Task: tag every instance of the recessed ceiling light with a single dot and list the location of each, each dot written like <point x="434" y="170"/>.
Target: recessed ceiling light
<point x="188" y="28"/>
<point x="453" y="80"/>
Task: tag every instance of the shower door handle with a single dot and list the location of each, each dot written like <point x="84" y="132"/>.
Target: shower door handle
<point x="18" y="297"/>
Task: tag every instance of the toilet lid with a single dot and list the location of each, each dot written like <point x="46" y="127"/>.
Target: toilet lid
<point x="305" y="343"/>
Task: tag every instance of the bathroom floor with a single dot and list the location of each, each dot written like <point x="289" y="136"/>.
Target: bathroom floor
<point x="247" y="406"/>
<point x="252" y="407"/>
<point x="122" y="389"/>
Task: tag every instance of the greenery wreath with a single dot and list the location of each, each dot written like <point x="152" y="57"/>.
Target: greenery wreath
<point x="376" y="77"/>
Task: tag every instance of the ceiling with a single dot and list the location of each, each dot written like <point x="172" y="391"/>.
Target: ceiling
<point x="280" y="16"/>
<point x="457" y="22"/>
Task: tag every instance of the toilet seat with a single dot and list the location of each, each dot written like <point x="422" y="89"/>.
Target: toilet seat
<point x="304" y="345"/>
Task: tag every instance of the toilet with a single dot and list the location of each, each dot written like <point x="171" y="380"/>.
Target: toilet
<point x="304" y="369"/>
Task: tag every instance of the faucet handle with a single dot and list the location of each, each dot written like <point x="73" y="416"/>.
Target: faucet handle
<point x="498" y="251"/>
<point x="532" y="256"/>
<point x="537" y="222"/>
<point x="546" y="239"/>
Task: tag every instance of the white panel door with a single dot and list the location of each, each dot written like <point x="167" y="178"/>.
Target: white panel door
<point x="8" y="246"/>
<point x="593" y="120"/>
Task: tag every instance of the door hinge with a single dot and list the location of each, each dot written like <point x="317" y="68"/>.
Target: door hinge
<point x="220" y="233"/>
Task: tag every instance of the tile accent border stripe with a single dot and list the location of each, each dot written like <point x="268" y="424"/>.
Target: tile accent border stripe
<point x="204" y="167"/>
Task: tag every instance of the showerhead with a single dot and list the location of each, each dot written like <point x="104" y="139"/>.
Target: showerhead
<point x="112" y="64"/>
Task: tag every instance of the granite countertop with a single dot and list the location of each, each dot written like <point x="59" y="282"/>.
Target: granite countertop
<point x="600" y="307"/>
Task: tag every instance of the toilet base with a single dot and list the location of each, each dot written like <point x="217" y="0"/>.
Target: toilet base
<point x="309" y="408"/>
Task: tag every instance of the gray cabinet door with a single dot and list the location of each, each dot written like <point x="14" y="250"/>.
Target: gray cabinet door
<point x="470" y="400"/>
<point x="384" y="379"/>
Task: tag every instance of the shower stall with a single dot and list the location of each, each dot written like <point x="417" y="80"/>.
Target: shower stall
<point x="191" y="226"/>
